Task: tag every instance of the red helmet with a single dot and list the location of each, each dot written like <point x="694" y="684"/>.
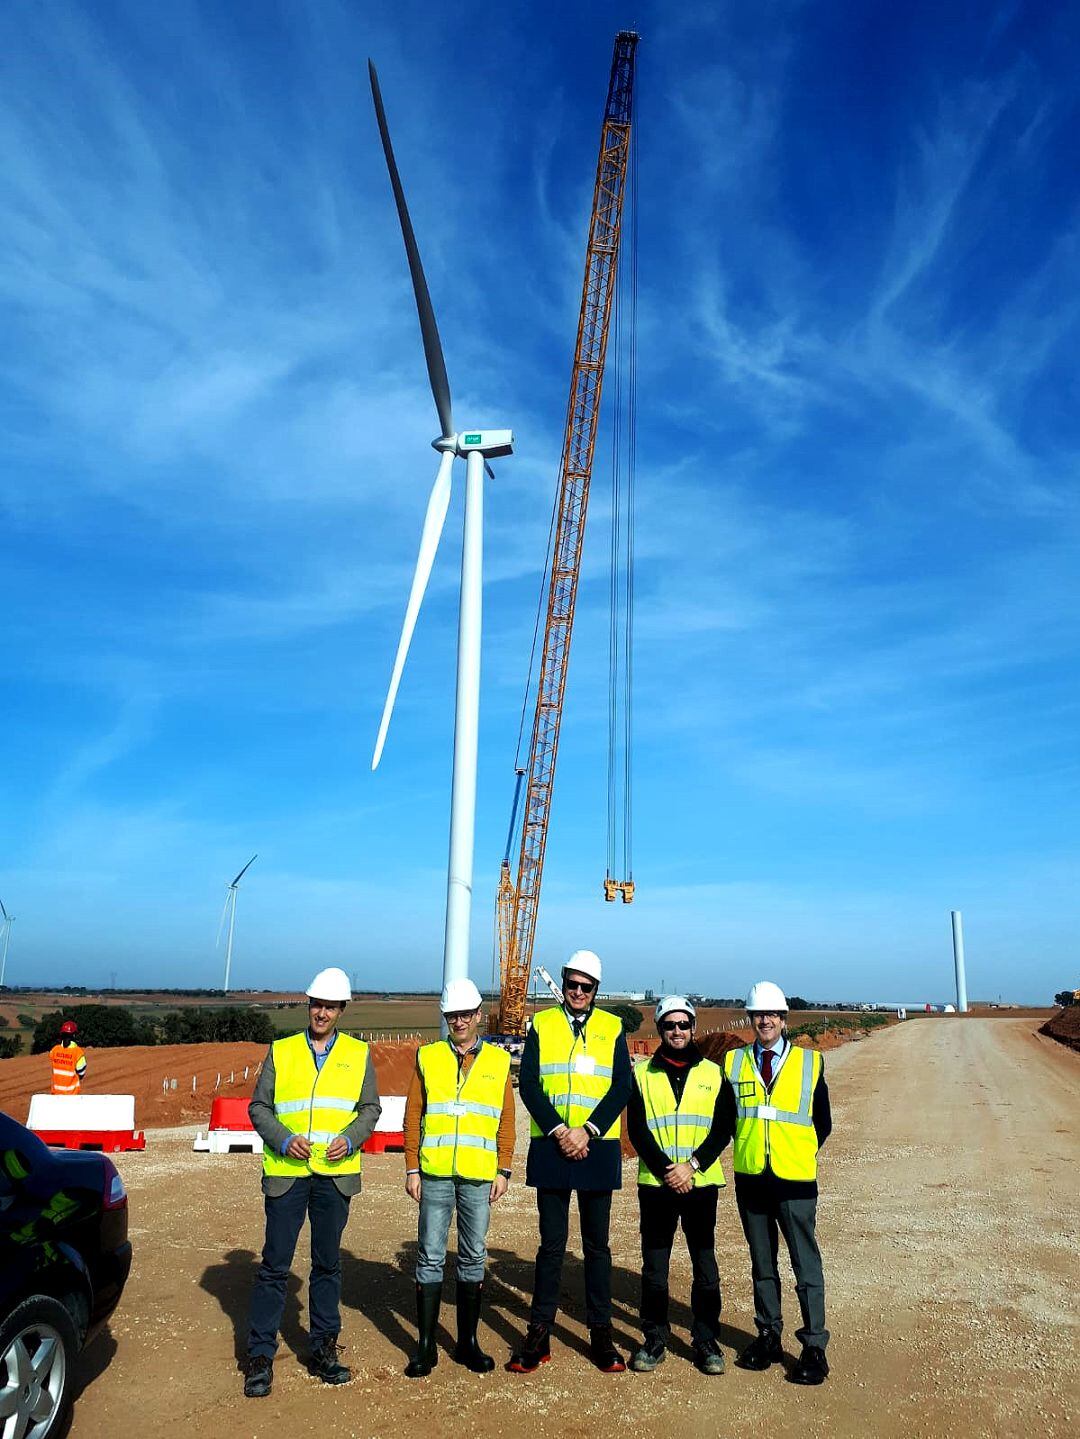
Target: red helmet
<point x="69" y="1027"/>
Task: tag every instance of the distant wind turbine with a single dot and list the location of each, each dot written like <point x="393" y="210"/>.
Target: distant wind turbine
<point x="230" y="910"/>
<point x="8" y="921"/>
<point x="475" y="447"/>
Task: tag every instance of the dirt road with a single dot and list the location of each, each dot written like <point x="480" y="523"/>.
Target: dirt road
<point x="947" y="1223"/>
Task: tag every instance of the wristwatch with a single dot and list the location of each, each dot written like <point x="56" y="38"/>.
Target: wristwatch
<point x="694" y="1165"/>
<point x="505" y="1173"/>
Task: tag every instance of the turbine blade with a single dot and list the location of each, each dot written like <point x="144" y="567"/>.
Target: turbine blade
<point x="429" y="544"/>
<point x="224" y="912"/>
<point x="244" y="871"/>
<point x="3" y="911"/>
<point x="436" y="365"/>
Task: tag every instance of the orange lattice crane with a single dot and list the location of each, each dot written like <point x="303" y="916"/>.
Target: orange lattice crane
<point x="517" y="903"/>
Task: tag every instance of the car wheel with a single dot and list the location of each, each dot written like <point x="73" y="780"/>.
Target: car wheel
<point x="38" y="1347"/>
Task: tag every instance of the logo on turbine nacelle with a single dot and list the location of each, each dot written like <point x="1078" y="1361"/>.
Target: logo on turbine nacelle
<point x="472" y="439"/>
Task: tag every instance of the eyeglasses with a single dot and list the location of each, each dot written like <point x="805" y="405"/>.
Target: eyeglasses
<point x="581" y="986"/>
<point x="456" y="1016"/>
<point x="766" y="1014"/>
<point x="677" y="1024"/>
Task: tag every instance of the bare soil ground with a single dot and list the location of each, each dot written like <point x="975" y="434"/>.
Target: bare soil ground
<point x="947" y="1222"/>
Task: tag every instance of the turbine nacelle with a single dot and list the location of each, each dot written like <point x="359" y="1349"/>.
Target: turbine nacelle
<point x="492" y="444"/>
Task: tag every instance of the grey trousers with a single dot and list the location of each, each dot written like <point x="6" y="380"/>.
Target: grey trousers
<point x="764" y="1218"/>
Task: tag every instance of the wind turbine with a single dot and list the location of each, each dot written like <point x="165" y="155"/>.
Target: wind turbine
<point x="8" y="921"/>
<point x="230" y="910"/>
<point x="475" y="447"/>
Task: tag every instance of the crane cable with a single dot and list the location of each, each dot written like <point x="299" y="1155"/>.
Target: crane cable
<point x="621" y="577"/>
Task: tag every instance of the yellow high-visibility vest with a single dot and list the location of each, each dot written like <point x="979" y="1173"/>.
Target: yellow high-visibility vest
<point x="68" y="1067"/>
<point x="459" y="1127"/>
<point x="775" y="1129"/>
<point x="680" y="1128"/>
<point x="317" y="1103"/>
<point x="576" y="1073"/>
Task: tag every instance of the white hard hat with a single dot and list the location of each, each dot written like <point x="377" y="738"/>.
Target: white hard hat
<point x="672" y="1004"/>
<point x="766" y="995"/>
<point x="585" y="962"/>
<point x="460" y="995"/>
<point x="330" y="984"/>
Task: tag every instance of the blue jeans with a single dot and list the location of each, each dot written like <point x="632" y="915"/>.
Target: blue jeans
<point x="438" y="1200"/>
<point x="319" y="1198"/>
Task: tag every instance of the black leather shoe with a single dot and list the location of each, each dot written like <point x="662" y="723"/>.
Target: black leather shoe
<point x="761" y="1352"/>
<point x="428" y="1300"/>
<point x="468" y="1351"/>
<point x="602" y="1350"/>
<point x="536" y="1350"/>
<point x="812" y="1367"/>
<point x="325" y="1364"/>
<point x="258" y="1377"/>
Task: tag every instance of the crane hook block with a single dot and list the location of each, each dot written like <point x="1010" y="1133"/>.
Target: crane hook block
<point x="614" y="888"/>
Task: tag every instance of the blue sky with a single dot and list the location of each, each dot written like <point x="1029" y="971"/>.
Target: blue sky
<point x="858" y="527"/>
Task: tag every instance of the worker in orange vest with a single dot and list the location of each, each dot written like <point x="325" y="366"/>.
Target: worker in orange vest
<point x="67" y="1060"/>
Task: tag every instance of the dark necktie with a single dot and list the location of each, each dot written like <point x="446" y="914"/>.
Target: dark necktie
<point x="767" y="1057"/>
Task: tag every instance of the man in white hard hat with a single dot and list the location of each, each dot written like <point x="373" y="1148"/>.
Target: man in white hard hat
<point x="777" y="1103"/>
<point x="315" y="1103"/>
<point x="575" y="1080"/>
<point x="674" y="1121"/>
<point x="459" y="1146"/>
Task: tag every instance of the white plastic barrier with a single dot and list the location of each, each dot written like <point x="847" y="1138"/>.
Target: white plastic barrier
<point x="86" y="1121"/>
<point x="392" y="1117"/>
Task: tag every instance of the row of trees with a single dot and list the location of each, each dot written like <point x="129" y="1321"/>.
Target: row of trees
<point x="104" y="1026"/>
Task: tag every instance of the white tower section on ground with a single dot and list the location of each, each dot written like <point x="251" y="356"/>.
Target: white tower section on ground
<point x="958" y="960"/>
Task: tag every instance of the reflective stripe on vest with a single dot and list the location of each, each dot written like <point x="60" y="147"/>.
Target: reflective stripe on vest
<point x="576" y="1073"/>
<point x="680" y="1128"/>
<point x="459" y="1126"/>
<point x="775" y="1129"/>
<point x="318" y="1104"/>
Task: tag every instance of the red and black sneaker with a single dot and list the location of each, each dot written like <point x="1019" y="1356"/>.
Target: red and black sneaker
<point x="602" y="1350"/>
<point x="535" y="1351"/>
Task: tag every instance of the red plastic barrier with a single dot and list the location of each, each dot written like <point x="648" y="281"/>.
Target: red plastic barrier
<point x="230" y="1113"/>
<point x="382" y="1140"/>
<point x="109" y="1141"/>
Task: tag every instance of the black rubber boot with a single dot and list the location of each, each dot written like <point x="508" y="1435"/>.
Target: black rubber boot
<point x="428" y="1300"/>
<point x="468" y="1351"/>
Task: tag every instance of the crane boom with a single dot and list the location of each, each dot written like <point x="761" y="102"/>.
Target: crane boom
<point x="518" y="903"/>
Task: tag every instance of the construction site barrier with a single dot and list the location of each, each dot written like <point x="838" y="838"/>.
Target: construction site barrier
<point x="230" y="1130"/>
<point x="86" y="1121"/>
<point x="390" y="1130"/>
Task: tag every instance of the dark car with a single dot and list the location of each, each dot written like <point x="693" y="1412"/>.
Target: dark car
<point x="65" y="1259"/>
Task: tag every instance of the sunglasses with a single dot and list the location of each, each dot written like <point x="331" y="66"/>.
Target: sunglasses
<point x="677" y="1024"/>
<point x="581" y="986"/>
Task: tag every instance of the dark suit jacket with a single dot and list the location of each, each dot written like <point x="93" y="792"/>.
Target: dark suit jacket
<point x="545" y="1167"/>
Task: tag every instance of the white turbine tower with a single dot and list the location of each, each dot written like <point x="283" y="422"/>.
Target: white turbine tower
<point x="8" y="921"/>
<point x="230" y="910"/>
<point x="474" y="447"/>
